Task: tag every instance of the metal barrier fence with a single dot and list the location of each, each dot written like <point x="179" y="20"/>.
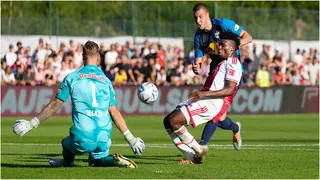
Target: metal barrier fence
<point x="138" y="19"/>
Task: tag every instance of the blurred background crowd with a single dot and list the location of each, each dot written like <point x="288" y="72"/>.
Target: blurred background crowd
<point x="132" y="64"/>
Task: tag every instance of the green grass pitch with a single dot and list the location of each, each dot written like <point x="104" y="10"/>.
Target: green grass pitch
<point x="274" y="146"/>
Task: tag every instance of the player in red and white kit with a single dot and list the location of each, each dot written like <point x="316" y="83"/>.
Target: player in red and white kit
<point x="209" y="104"/>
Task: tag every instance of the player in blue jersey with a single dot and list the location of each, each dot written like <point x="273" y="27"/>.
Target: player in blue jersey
<point x="205" y="41"/>
<point x="93" y="110"/>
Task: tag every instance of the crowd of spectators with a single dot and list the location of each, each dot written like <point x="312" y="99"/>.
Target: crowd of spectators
<point x="132" y="64"/>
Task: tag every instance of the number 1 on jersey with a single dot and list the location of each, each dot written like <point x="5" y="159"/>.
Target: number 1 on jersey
<point x="93" y="94"/>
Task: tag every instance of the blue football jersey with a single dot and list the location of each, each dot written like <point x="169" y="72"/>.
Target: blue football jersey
<point x="91" y="95"/>
<point x="219" y="24"/>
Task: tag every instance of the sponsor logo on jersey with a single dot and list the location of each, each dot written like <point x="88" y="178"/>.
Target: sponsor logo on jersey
<point x="236" y="27"/>
<point x="216" y="34"/>
<point x="231" y="72"/>
<point x="91" y="75"/>
<point x="212" y="49"/>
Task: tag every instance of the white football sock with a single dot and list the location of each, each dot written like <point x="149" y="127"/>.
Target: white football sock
<point x="186" y="150"/>
<point x="188" y="139"/>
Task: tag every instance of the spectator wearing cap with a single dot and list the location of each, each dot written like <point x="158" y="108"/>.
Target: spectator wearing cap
<point x="263" y="77"/>
<point x="11" y="56"/>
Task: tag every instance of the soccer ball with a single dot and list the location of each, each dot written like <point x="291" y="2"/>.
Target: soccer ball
<point x="147" y="92"/>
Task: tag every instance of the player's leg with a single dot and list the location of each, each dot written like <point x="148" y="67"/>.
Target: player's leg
<point x="207" y="132"/>
<point x="227" y="124"/>
<point x="194" y="114"/>
<point x="178" y="124"/>
<point x="186" y="150"/>
<point x="68" y="154"/>
<point x="100" y="157"/>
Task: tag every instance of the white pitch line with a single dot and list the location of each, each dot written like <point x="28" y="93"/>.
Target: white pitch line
<point x="280" y="147"/>
<point x="171" y="145"/>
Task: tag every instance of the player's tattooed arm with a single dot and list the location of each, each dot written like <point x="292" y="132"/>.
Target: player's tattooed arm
<point x="245" y="38"/>
<point x="227" y="91"/>
<point x="50" y="109"/>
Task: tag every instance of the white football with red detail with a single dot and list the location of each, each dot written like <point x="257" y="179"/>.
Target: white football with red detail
<point x="147" y="92"/>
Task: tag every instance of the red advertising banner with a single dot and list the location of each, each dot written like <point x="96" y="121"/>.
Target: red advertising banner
<point x="28" y="101"/>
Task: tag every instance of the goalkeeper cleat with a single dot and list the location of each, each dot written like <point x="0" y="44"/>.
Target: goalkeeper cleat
<point x="60" y="163"/>
<point x="199" y="158"/>
<point x="122" y="161"/>
<point x="237" y="141"/>
<point x="185" y="161"/>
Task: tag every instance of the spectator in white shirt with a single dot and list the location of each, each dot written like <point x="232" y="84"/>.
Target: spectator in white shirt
<point x="11" y="56"/>
<point x="56" y="64"/>
<point x="314" y="71"/>
<point x="40" y="52"/>
<point x="298" y="58"/>
<point x="78" y="56"/>
<point x="110" y="57"/>
<point x="63" y="72"/>
<point x="8" y="77"/>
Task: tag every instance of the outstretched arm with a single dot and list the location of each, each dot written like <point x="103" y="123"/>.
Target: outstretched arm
<point x="136" y="144"/>
<point x="117" y="118"/>
<point x="50" y="109"/>
<point x="23" y="126"/>
<point x="245" y="38"/>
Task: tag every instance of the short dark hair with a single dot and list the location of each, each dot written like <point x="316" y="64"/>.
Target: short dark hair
<point x="90" y="49"/>
<point x="199" y="6"/>
<point x="230" y="36"/>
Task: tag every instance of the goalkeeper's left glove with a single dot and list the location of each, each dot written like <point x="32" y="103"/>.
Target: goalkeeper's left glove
<point x="136" y="144"/>
<point x="23" y="126"/>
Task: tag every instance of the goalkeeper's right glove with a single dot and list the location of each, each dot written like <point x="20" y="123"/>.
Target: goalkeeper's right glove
<point x="23" y="126"/>
<point x="136" y="144"/>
